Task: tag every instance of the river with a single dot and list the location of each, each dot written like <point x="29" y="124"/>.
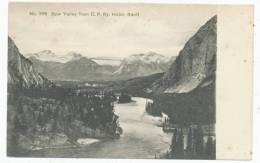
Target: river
<point x="142" y="137"/>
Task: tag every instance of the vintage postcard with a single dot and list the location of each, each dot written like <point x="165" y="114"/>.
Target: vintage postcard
<point x="158" y="81"/>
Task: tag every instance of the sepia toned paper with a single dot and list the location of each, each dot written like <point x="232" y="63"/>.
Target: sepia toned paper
<point x="200" y="108"/>
<point x="235" y="68"/>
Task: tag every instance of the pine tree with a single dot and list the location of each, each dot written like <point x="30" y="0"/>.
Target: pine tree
<point x="199" y="142"/>
<point x="178" y="150"/>
<point x="209" y="148"/>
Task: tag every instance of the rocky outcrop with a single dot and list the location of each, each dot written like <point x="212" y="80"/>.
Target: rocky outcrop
<point x="195" y="63"/>
<point x="186" y="92"/>
<point x="21" y="72"/>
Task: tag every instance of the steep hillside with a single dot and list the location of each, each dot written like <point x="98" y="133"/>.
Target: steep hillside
<point x="79" y="69"/>
<point x="186" y="92"/>
<point x="195" y="62"/>
<point x="139" y="86"/>
<point x="21" y="72"/>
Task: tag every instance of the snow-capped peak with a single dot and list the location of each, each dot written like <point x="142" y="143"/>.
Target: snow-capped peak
<point x="48" y="55"/>
<point x="70" y="56"/>
<point x="150" y="57"/>
<point x="43" y="55"/>
<point x="143" y="64"/>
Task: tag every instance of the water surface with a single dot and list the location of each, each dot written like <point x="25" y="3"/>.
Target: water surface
<point x="142" y="137"/>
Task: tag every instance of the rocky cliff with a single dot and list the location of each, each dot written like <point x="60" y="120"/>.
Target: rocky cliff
<point x="21" y="72"/>
<point x="195" y="65"/>
<point x="186" y="92"/>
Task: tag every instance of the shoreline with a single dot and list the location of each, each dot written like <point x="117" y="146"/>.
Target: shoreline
<point x="81" y="142"/>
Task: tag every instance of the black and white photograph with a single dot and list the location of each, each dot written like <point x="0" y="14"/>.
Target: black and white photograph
<point x="132" y="81"/>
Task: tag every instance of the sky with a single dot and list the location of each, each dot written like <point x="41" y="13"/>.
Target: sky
<point x="159" y="28"/>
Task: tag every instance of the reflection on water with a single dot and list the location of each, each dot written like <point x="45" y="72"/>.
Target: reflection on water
<point x="142" y="138"/>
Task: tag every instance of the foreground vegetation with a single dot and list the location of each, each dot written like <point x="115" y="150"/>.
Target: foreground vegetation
<point x="58" y="117"/>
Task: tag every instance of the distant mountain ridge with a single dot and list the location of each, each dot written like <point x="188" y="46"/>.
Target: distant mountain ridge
<point x="142" y="64"/>
<point x="78" y="67"/>
<point x="112" y="61"/>
<point x="82" y="69"/>
<point x="48" y="55"/>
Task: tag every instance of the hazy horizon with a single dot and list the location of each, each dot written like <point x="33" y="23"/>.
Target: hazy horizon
<point x="154" y="30"/>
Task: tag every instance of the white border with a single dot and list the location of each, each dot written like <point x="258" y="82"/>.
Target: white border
<point x="3" y="81"/>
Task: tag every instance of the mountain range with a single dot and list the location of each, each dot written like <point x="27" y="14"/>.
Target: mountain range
<point x="48" y="55"/>
<point x="194" y="67"/>
<point x="138" y="65"/>
<point x="74" y="66"/>
<point x="186" y="91"/>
